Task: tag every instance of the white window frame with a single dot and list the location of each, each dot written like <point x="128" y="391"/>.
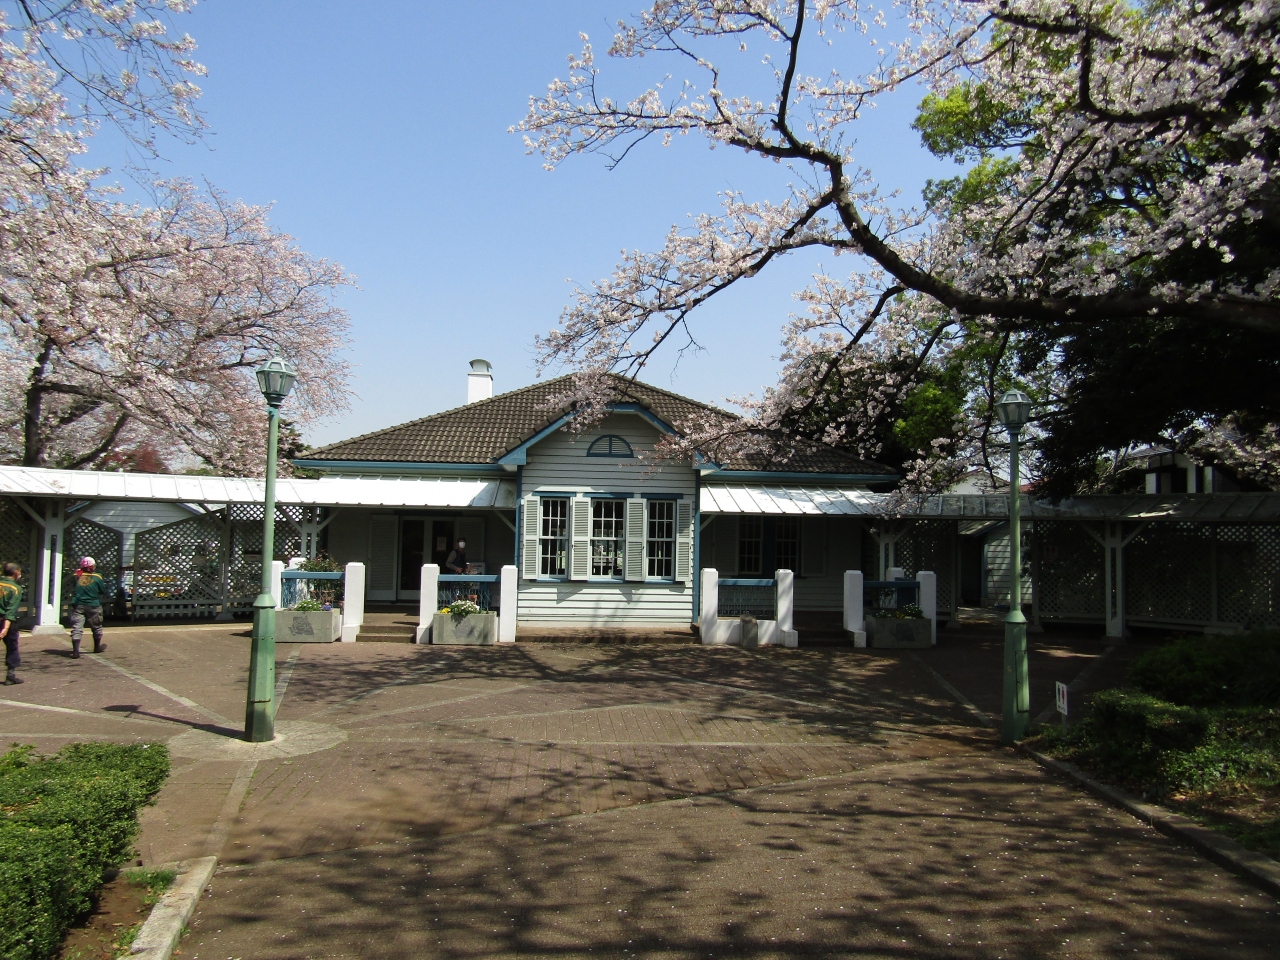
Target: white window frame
<point x="618" y="525"/>
<point x="778" y="540"/>
<point x="758" y="524"/>
<point x="545" y="539"/>
<point x="649" y="540"/>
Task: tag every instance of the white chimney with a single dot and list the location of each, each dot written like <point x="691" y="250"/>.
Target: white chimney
<point x="479" y="381"/>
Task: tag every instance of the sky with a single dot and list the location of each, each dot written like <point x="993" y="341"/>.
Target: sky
<point x="378" y="132"/>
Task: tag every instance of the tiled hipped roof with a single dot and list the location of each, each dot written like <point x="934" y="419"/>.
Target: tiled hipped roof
<point x="482" y="432"/>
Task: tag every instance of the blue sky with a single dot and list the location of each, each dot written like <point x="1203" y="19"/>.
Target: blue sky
<point x="378" y="131"/>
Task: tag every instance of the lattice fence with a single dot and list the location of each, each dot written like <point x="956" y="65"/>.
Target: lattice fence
<point x="84" y="538"/>
<point x="18" y="540"/>
<point x="930" y="545"/>
<point x="208" y="564"/>
<point x="1169" y="573"/>
<point x="1069" y="570"/>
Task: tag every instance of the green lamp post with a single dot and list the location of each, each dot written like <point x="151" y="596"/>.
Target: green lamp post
<point x="1014" y="410"/>
<point x="275" y="379"/>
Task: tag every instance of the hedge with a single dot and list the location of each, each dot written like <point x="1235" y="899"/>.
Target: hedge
<point x="1235" y="671"/>
<point x="64" y="821"/>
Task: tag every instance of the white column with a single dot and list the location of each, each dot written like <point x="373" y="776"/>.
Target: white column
<point x="429" y="592"/>
<point x="929" y="601"/>
<point x="48" y="592"/>
<point x="1113" y="552"/>
<point x="277" y="582"/>
<point x="708" y="620"/>
<point x="507" y="612"/>
<point x="854" y="624"/>
<point x="785" y="609"/>
<point x="352" y="602"/>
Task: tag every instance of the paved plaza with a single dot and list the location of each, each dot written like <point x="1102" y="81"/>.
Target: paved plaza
<point x="574" y="800"/>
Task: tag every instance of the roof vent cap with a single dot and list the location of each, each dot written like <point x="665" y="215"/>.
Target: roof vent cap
<point x="479" y="381"/>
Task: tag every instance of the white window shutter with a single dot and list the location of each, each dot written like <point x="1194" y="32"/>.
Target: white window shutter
<point x="635" y="539"/>
<point x="813" y="546"/>
<point x="529" y="546"/>
<point x="580" y="555"/>
<point x="684" y="541"/>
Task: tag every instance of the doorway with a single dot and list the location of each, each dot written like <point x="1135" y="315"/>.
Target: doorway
<point x="441" y="542"/>
<point x="412" y="549"/>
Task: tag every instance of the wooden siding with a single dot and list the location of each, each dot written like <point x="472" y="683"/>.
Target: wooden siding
<point x="132" y="517"/>
<point x="348" y="536"/>
<point x="602" y="604"/>
<point x="559" y="462"/>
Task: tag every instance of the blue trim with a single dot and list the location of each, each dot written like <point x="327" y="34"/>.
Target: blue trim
<point x="662" y="496"/>
<point x="739" y="582"/>
<point x="312" y="575"/>
<point x="608" y="496"/>
<point x="717" y="474"/>
<point x="611" y="442"/>
<point x="519" y="455"/>
<point x="469" y="578"/>
<point x="644" y="412"/>
<point x="386" y="466"/>
<point x="558" y="494"/>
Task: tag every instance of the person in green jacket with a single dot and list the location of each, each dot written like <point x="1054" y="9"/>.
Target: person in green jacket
<point x="10" y="597"/>
<point x="86" y="606"/>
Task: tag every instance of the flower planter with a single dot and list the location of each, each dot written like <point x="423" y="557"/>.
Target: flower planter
<point x="890" y="633"/>
<point x="478" y="629"/>
<point x="308" y="626"/>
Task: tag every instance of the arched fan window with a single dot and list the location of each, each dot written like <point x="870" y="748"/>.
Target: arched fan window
<point x="610" y="445"/>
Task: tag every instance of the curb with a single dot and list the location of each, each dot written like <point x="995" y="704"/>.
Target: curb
<point x="162" y="930"/>
<point x="1257" y="868"/>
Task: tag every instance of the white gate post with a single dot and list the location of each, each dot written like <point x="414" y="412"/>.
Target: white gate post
<point x="48" y="592"/>
<point x="929" y="601"/>
<point x="854" y="623"/>
<point x="352" y="602"/>
<point x="707" y="622"/>
<point x="277" y="582"/>
<point x="785" y="607"/>
<point x="507" y="612"/>
<point x="428" y="595"/>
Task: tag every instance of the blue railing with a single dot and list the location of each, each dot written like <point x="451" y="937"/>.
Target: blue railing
<point x="466" y="586"/>
<point x="322" y="586"/>
<point x="890" y="594"/>
<point x="756" y="597"/>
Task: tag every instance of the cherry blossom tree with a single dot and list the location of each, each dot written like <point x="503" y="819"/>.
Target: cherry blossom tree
<point x="1120" y="176"/>
<point x="132" y="326"/>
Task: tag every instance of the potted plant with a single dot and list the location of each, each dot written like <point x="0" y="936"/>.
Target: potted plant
<point x="309" y="621"/>
<point x="898" y="628"/>
<point x="463" y="622"/>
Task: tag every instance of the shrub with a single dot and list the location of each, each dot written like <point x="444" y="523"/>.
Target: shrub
<point x="64" y="820"/>
<point x="1238" y="671"/>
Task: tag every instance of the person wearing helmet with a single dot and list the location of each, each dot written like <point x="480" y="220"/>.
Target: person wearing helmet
<point x="86" y="606"/>
<point x="10" y="597"/>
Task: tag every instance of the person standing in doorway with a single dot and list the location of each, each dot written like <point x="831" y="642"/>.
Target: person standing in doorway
<point x="457" y="560"/>
<point x="10" y="597"/>
<point x="86" y="606"/>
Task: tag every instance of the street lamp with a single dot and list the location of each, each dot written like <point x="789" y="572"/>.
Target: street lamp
<point x="275" y="380"/>
<point x="1014" y="410"/>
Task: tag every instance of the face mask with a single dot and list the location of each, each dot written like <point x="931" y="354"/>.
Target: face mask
<point x="462" y="544"/>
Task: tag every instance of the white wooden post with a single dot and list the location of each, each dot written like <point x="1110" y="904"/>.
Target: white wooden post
<point x="48" y="591"/>
<point x="895" y="573"/>
<point x="352" y="602"/>
<point x="708" y="621"/>
<point x="929" y="601"/>
<point x="507" y="612"/>
<point x="277" y="583"/>
<point x="428" y="595"/>
<point x="854" y="623"/>
<point x="1113" y="543"/>
<point x="785" y="600"/>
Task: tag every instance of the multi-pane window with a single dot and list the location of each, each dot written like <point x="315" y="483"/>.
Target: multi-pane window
<point x="787" y="533"/>
<point x="661" y="542"/>
<point x="553" y="544"/>
<point x="608" y="537"/>
<point x="750" y="544"/>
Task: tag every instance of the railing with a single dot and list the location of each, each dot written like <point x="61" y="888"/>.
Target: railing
<point x="478" y="588"/>
<point x="756" y="597"/>
<point x="890" y="594"/>
<point x="324" y="587"/>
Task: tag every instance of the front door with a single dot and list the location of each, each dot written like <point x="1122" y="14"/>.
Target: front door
<point x="413" y="532"/>
<point x="441" y="542"/>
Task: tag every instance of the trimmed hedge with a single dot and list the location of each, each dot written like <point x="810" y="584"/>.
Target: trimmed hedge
<point x="64" y="821"/>
<point x="1235" y="671"/>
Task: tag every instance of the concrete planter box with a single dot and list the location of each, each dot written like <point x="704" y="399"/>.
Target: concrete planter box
<point x="479" y="629"/>
<point x="890" y="633"/>
<point x="308" y="626"/>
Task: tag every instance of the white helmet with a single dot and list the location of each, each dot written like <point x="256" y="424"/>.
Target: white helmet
<point x="88" y="563"/>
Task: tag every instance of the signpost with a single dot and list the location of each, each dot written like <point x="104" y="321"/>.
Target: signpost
<point x="1061" y="689"/>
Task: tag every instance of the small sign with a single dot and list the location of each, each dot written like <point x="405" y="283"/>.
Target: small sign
<point x="1062" y="698"/>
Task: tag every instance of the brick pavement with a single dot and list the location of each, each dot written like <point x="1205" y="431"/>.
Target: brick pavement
<point x="574" y="800"/>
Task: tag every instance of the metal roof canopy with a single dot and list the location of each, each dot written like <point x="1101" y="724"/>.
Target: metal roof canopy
<point x="477" y="493"/>
<point x="810" y="501"/>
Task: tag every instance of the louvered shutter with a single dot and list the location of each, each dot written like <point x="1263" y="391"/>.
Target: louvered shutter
<point x="529" y="545"/>
<point x="813" y="546"/>
<point x="684" y="541"/>
<point x="580" y="555"/>
<point x="635" y="540"/>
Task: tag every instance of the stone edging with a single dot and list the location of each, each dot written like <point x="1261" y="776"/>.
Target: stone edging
<point x="1257" y="868"/>
<point x="163" y="929"/>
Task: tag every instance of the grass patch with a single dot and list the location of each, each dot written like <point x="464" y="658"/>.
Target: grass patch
<point x="64" y="821"/>
<point x="1196" y="727"/>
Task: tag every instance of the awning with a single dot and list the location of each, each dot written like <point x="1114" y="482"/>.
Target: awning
<point x="812" y="501"/>
<point x="477" y="493"/>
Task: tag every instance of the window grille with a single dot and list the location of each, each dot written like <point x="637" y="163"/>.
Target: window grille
<point x="787" y="533"/>
<point x="608" y="537"/>
<point x="661" y="544"/>
<point x="553" y="545"/>
<point x="750" y="544"/>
